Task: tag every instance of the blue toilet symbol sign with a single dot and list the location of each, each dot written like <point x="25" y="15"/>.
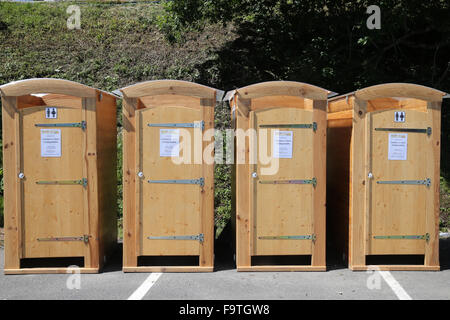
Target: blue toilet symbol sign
<point x="400" y="116"/>
<point x="51" y="113"/>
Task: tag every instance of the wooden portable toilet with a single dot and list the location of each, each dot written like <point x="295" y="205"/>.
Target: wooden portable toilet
<point x="385" y="140"/>
<point x="59" y="160"/>
<point x="279" y="213"/>
<point x="168" y="176"/>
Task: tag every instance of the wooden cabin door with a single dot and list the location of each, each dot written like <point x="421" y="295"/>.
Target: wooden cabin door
<point x="169" y="185"/>
<point x="398" y="144"/>
<point x="53" y="191"/>
<point x="282" y="201"/>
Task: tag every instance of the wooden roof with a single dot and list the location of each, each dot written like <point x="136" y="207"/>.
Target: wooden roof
<point x="48" y="85"/>
<point x="281" y="88"/>
<point x="175" y="87"/>
<point x="400" y="90"/>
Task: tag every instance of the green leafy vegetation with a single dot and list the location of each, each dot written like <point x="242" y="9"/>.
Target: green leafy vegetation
<point x="117" y="45"/>
<point x="2" y="222"/>
<point x="119" y="179"/>
<point x="232" y="43"/>
<point x="327" y="43"/>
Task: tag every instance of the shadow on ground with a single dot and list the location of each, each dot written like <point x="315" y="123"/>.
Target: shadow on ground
<point x="224" y="255"/>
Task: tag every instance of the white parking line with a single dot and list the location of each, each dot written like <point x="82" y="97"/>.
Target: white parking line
<point x="145" y="287"/>
<point x="395" y="286"/>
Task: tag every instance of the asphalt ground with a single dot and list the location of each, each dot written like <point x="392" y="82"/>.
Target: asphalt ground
<point x="338" y="283"/>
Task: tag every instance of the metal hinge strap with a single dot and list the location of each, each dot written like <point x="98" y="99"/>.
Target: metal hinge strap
<point x="82" y="182"/>
<point x="312" y="181"/>
<point x="292" y="125"/>
<point x="304" y="237"/>
<point x="426" y="182"/>
<point x="200" y="181"/>
<point x="84" y="238"/>
<point x="200" y="124"/>
<point x="408" y="237"/>
<point x="81" y="125"/>
<point x="427" y="130"/>
<point x="199" y="237"/>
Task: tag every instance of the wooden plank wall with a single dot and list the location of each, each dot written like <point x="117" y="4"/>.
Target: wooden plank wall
<point x="207" y="220"/>
<point x="130" y="237"/>
<point x="339" y="134"/>
<point x="433" y="168"/>
<point x="357" y="185"/>
<point x="347" y="161"/>
<point x="131" y="222"/>
<point x="13" y="241"/>
<point x="99" y="168"/>
<point x="233" y="185"/>
<point x="242" y="203"/>
<point x="319" y="194"/>
<point x="242" y="192"/>
<point x="91" y="205"/>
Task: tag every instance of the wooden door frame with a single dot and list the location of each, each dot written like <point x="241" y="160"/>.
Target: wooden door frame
<point x="241" y="108"/>
<point x="91" y="210"/>
<point x="131" y="105"/>
<point x="139" y="210"/>
<point x="138" y="183"/>
<point x="37" y="111"/>
<point x="360" y="197"/>
<point x="12" y="151"/>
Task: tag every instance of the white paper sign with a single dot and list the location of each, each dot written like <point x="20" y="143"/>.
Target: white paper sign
<point x="50" y="142"/>
<point x="282" y="143"/>
<point x="169" y="142"/>
<point x="398" y="146"/>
